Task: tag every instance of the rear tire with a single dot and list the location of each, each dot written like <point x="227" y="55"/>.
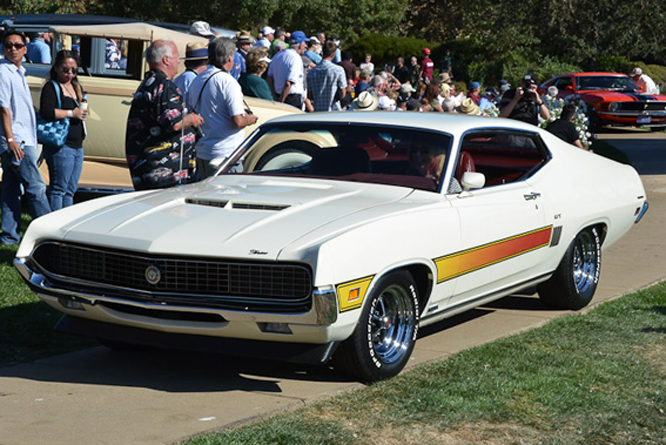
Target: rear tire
<point x="573" y="284"/>
<point x="384" y="337"/>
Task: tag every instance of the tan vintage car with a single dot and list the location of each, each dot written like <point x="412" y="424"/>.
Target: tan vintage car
<point x="110" y="91"/>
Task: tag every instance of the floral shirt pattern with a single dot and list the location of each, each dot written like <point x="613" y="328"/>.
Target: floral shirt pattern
<point x="153" y="149"/>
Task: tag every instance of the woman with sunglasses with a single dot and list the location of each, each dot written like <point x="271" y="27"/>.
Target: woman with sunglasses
<point x="64" y="163"/>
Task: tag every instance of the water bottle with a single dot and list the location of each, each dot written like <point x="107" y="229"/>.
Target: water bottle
<point x="84" y="104"/>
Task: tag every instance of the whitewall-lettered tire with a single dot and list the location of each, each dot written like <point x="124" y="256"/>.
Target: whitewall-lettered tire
<point x="384" y="338"/>
<point x="573" y="284"/>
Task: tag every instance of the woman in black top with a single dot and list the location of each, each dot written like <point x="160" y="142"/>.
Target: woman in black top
<point x="64" y="163"/>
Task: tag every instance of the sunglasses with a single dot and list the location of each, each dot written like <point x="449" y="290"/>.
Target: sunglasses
<point x="10" y="45"/>
<point x="66" y="70"/>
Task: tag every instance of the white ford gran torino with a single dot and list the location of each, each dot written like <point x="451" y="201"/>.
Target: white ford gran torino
<point x="336" y="236"/>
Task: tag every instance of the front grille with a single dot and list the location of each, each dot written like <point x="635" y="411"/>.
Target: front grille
<point x="201" y="282"/>
<point x="642" y="106"/>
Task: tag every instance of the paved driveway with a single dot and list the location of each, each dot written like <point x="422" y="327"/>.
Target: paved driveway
<point x="96" y="396"/>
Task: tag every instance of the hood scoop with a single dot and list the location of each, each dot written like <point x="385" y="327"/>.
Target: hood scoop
<point x="236" y="205"/>
<point x="255" y="206"/>
<point x="206" y="202"/>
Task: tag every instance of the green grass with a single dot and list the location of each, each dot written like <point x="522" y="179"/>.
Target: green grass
<point x="598" y="378"/>
<point x="26" y="324"/>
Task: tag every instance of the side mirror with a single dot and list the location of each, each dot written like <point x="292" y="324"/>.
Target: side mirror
<point x="473" y="180"/>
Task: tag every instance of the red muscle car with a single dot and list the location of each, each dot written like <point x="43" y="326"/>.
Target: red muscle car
<point x="612" y="98"/>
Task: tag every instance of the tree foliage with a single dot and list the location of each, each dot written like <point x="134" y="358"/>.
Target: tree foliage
<point x="348" y="20"/>
<point x="575" y="31"/>
<point x="585" y="33"/>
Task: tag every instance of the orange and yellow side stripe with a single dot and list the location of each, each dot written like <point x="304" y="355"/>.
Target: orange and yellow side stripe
<point x="466" y="261"/>
<point x="352" y="293"/>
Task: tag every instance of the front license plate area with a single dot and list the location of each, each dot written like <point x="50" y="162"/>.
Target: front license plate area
<point x="644" y="119"/>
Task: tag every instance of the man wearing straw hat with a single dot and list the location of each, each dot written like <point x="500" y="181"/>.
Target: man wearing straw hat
<point x="196" y="59"/>
<point x="243" y="42"/>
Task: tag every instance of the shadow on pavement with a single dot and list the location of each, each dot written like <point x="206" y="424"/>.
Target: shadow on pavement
<point x="169" y="371"/>
<point x="645" y="150"/>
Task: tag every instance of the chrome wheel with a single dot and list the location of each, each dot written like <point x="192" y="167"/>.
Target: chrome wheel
<point x="392" y="324"/>
<point x="585" y="262"/>
<point x="573" y="284"/>
<point x="380" y="346"/>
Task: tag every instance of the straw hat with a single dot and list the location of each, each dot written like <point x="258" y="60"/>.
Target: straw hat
<point x="196" y="51"/>
<point x="446" y="90"/>
<point x="444" y="77"/>
<point x="244" y="37"/>
<point x="468" y="107"/>
<point x="365" y="102"/>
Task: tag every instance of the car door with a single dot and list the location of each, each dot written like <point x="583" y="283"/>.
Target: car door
<point x="503" y="227"/>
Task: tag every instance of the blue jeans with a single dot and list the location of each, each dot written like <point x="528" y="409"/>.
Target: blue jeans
<point x="28" y="176"/>
<point x="65" y="164"/>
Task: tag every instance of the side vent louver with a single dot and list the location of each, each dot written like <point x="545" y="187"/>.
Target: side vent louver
<point x="557" y="233"/>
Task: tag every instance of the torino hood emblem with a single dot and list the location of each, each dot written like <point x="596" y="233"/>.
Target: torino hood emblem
<point x="153" y="274"/>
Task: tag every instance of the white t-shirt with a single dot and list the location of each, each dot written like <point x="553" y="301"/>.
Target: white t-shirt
<point x="287" y="65"/>
<point x="221" y="100"/>
<point x="647" y="85"/>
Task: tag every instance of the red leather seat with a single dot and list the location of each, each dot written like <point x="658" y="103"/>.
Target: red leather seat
<point x="465" y="164"/>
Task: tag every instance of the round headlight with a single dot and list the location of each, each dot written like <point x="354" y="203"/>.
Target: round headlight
<point x="614" y="106"/>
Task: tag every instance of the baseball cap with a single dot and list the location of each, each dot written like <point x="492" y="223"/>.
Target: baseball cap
<point x="201" y="28"/>
<point x="407" y="88"/>
<point x="267" y="30"/>
<point x="531" y="77"/>
<point x="297" y="37"/>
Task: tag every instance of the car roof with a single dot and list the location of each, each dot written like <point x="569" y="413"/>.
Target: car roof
<point x="453" y="123"/>
<point x="28" y="22"/>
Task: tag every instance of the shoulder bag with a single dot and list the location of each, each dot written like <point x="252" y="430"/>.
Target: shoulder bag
<point x="55" y="132"/>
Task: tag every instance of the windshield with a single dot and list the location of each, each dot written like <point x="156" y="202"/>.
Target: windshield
<point x="614" y="83"/>
<point x="359" y="153"/>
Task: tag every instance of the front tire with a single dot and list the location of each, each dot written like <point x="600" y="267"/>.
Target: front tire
<point x="384" y="337"/>
<point x="573" y="284"/>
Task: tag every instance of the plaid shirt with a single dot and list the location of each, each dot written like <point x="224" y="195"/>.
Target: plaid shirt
<point x="324" y="81"/>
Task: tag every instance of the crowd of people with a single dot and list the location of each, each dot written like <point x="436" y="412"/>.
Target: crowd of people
<point x="179" y="124"/>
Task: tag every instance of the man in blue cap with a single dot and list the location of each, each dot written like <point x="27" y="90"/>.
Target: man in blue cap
<point x="475" y="92"/>
<point x="285" y="73"/>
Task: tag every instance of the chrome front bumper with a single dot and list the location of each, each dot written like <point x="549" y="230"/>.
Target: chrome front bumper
<point x="324" y="309"/>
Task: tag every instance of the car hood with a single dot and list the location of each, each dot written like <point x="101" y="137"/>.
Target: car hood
<point x="618" y="96"/>
<point x="237" y="216"/>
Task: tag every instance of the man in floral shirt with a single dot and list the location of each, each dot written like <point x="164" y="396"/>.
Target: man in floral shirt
<point x="159" y="142"/>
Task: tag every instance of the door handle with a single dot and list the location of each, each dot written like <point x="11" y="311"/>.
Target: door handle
<point x="532" y="196"/>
